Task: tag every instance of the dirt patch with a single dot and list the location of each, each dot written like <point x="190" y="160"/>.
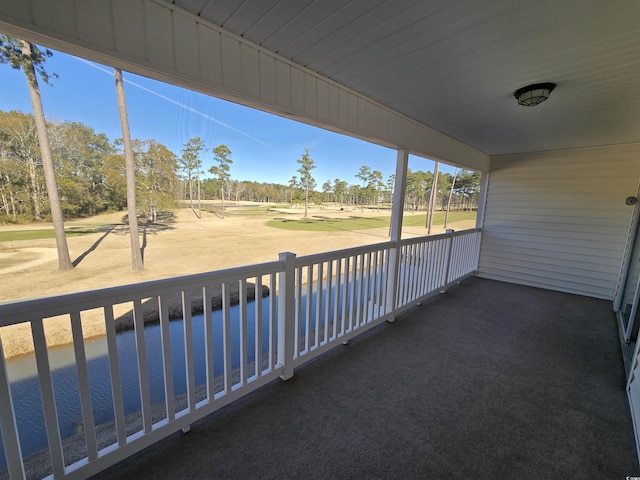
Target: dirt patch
<point x="15" y="260"/>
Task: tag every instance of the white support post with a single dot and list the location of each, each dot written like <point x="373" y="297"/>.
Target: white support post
<point x="482" y="204"/>
<point x="8" y="427"/>
<point x="482" y="201"/>
<point x="397" y="211"/>
<point x="286" y="312"/>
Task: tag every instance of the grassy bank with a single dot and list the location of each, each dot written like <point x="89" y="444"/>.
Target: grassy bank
<point x="16" y="235"/>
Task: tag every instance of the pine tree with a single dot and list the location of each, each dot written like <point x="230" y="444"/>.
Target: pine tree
<point x="222" y="155"/>
<point x="136" y="254"/>
<point x="306" y="165"/>
<point x="27" y="57"/>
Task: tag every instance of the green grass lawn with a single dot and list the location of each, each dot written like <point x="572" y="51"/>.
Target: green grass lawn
<point x="324" y="224"/>
<point x="16" y="235"/>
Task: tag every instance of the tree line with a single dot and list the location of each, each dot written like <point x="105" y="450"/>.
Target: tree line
<point x="90" y="172"/>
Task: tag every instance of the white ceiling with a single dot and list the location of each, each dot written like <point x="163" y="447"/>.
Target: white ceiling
<point x="453" y="65"/>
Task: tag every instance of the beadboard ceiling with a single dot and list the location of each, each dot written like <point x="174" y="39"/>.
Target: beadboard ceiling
<point x="454" y="65"/>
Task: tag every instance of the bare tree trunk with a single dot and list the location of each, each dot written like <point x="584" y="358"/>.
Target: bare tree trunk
<point x="12" y="199"/>
<point x="199" y="202"/>
<point x="136" y="253"/>
<point x="306" y="198"/>
<point x="35" y="198"/>
<point x="64" y="260"/>
<point x="5" y="203"/>
<point x="222" y="196"/>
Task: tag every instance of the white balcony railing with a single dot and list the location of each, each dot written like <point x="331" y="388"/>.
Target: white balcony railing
<point x="310" y="305"/>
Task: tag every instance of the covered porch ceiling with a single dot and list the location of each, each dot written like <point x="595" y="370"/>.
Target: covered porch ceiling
<point x="449" y="67"/>
<point x="454" y="65"/>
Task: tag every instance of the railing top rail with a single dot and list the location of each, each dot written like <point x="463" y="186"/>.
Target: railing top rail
<point x="440" y="236"/>
<point x="347" y="252"/>
<point x="18" y="312"/>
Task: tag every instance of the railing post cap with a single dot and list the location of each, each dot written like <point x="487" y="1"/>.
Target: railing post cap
<point x="285" y="255"/>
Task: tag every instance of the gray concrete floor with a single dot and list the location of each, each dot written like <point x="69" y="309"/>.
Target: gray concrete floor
<point x="489" y="381"/>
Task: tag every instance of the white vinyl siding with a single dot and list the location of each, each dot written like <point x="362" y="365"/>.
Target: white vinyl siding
<point x="160" y="40"/>
<point x="558" y="220"/>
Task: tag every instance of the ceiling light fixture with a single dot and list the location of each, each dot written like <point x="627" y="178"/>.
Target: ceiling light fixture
<point x="532" y="95"/>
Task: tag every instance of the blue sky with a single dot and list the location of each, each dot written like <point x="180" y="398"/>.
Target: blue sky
<point x="264" y="147"/>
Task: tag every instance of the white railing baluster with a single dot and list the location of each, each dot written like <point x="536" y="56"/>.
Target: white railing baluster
<point x="448" y="261"/>
<point x="429" y="265"/>
<point x="319" y="298"/>
<point x="208" y="343"/>
<point x="336" y="301"/>
<point x="366" y="285"/>
<point x="404" y="276"/>
<point x="437" y="264"/>
<point x="298" y="312"/>
<point x="8" y="427"/>
<point x="345" y="298"/>
<point x="392" y="280"/>
<point x="384" y="275"/>
<point x="187" y="325"/>
<point x="371" y="289"/>
<point x="458" y="259"/>
<point x="114" y="371"/>
<point x="382" y="280"/>
<point x="307" y="320"/>
<point x="272" y="323"/>
<point x="226" y="336"/>
<point x="327" y="307"/>
<point x="419" y="277"/>
<point x="414" y="272"/>
<point x="359" y="285"/>
<point x="454" y="261"/>
<point x="352" y="295"/>
<point x="83" y="386"/>
<point x="244" y="347"/>
<point x="165" y="338"/>
<point x="48" y="398"/>
<point x="423" y="290"/>
<point x="378" y="282"/>
<point x="408" y="281"/>
<point x="258" y="327"/>
<point x="143" y="373"/>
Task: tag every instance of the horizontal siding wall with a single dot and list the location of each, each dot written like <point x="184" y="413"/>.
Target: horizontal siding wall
<point x="558" y="220"/>
<point x="157" y="39"/>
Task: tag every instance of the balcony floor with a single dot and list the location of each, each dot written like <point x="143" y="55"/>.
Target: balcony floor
<point x="491" y="380"/>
